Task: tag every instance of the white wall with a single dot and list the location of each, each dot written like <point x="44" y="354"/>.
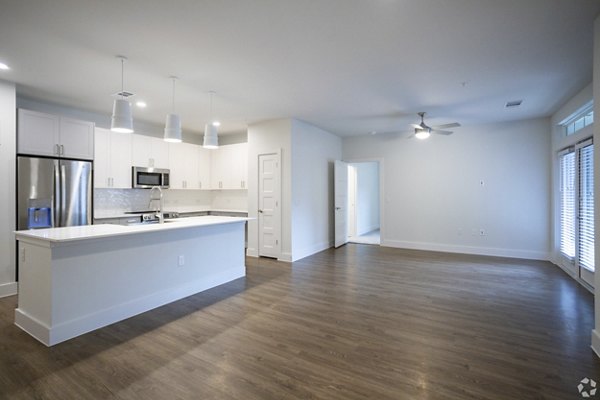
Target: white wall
<point x="313" y="154"/>
<point x="8" y="127"/>
<point x="596" y="91"/>
<point x="434" y="199"/>
<point x="367" y="197"/>
<point x="263" y="138"/>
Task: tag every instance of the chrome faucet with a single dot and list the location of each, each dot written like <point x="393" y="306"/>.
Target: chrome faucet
<point x="159" y="213"/>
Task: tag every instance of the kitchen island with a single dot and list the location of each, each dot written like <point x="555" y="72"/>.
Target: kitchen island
<point x="76" y="279"/>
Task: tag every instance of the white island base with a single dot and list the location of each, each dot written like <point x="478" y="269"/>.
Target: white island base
<point x="75" y="280"/>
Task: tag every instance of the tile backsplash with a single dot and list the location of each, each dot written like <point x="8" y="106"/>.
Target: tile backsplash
<point x="107" y="201"/>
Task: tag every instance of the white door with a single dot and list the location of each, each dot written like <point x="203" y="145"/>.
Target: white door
<point x="269" y="201"/>
<point x="341" y="202"/>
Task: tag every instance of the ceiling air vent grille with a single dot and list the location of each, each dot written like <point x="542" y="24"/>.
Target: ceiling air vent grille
<point x="514" y="103"/>
<point x="124" y="93"/>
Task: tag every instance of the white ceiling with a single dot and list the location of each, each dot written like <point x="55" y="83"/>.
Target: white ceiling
<point x="348" y="66"/>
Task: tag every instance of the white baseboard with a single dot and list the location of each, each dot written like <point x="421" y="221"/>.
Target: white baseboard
<point x="8" y="289"/>
<point x="70" y="329"/>
<point x="484" y="251"/>
<point x="287" y="257"/>
<point x="310" y="250"/>
<point x="251" y="252"/>
<point x="596" y="342"/>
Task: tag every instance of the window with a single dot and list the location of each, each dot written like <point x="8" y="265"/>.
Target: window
<point x="584" y="117"/>
<point x="576" y="198"/>
<point x="586" y="207"/>
<point x="567" y="203"/>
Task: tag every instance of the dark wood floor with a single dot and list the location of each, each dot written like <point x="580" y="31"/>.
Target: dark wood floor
<point x="354" y="323"/>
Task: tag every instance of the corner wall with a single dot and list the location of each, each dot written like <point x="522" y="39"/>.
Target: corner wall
<point x="8" y="129"/>
<point x="439" y="193"/>
<point x="313" y="154"/>
<point x="269" y="137"/>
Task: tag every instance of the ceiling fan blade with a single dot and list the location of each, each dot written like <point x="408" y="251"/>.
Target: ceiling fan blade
<point x="446" y="126"/>
<point x="417" y="126"/>
<point x="440" y="132"/>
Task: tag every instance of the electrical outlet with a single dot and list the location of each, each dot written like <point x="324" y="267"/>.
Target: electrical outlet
<point x="181" y="261"/>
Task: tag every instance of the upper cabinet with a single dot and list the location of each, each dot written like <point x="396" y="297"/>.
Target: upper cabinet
<point x="112" y="161"/>
<point x="149" y="152"/>
<point x="204" y="168"/>
<point x="55" y="136"/>
<point x="229" y="167"/>
<point x="184" y="166"/>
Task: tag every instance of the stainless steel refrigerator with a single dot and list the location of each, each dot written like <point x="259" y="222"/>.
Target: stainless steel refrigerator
<point x="53" y="192"/>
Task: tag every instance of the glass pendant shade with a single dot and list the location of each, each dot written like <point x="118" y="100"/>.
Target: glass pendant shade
<point x="122" y="119"/>
<point x="173" y="129"/>
<point x="211" y="139"/>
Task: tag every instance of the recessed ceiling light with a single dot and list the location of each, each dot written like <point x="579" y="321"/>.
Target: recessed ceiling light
<point x="141" y="104"/>
<point x="4" y="67"/>
<point x="216" y="123"/>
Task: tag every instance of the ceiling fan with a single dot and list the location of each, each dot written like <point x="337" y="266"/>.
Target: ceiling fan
<point x="423" y="131"/>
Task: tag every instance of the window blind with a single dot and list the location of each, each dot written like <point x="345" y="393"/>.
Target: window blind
<point x="586" y="207"/>
<point x="567" y="203"/>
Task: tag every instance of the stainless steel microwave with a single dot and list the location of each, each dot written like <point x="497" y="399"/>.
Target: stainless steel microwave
<point x="146" y="178"/>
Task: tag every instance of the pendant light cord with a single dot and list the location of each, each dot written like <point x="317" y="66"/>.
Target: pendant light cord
<point x="122" y="77"/>
<point x="211" y="106"/>
<point x="173" y="104"/>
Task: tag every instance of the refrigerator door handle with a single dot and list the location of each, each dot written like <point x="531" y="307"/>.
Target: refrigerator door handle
<point x="56" y="198"/>
<point x="63" y="196"/>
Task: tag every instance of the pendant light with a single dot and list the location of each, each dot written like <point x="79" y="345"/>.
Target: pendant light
<point x="211" y="138"/>
<point x="122" y="120"/>
<point x="173" y="124"/>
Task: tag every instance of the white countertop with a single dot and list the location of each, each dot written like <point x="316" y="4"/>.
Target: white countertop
<point x="86" y="232"/>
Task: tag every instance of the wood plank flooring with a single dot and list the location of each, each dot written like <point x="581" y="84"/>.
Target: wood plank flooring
<point x="360" y="322"/>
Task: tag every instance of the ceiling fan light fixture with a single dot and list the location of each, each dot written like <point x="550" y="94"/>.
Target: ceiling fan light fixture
<point x="422" y="134"/>
<point x="122" y="119"/>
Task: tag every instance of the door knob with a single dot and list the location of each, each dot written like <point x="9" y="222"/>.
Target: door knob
<point x="260" y="211"/>
<point x="338" y="208"/>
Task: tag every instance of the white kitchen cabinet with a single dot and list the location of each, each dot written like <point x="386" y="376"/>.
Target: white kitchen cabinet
<point x="240" y="167"/>
<point x="219" y="167"/>
<point x="55" y="136"/>
<point x="229" y="167"/>
<point x="149" y="152"/>
<point x="112" y="161"/>
<point x="204" y="167"/>
<point x="183" y="165"/>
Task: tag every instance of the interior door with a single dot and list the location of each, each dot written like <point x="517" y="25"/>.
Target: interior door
<point x="341" y="202"/>
<point x="269" y="200"/>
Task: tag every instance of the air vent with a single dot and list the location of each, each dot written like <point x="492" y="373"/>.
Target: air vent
<point x="514" y="103"/>
<point x="124" y="93"/>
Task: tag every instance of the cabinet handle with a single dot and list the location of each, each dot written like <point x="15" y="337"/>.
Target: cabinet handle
<point x="57" y="149"/>
<point x="62" y="150"/>
<point x="200" y="184"/>
<point x="220" y="185"/>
